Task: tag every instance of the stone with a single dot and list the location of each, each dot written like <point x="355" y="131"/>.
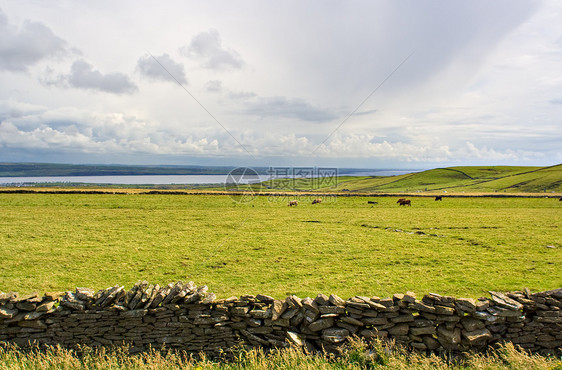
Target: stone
<point x="310" y="304"/>
<point x="444" y="310"/>
<point x="6" y="313"/>
<point x="35" y="324"/>
<point x="134" y="313"/>
<point x="452" y="336"/>
<point x="478" y="336"/>
<point x="403" y="318"/>
<point x="502" y="300"/>
<point x="335" y="335"/>
<point x="331" y="310"/>
<point x="399" y="330"/>
<point x="421" y="306"/>
<point x="374" y="320"/>
<point x="373" y="333"/>
<point x="465" y="304"/>
<point x="336" y="301"/>
<point x="321" y="324"/>
<point x="322" y="299"/>
<point x="471" y="324"/>
<point x="409" y="297"/>
<point x="84" y="294"/>
<point x="295" y="338"/>
<point x="33" y="315"/>
<point x="277" y="309"/>
<point x="430" y="343"/>
<point x="427" y="330"/>
<point x="26" y="306"/>
<point x="351" y="321"/>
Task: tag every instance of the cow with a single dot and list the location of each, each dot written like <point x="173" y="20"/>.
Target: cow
<point x="404" y="202"/>
<point x="293" y="203"/>
<point x="371" y="202"/>
<point x="439" y="197"/>
<point x="317" y="201"/>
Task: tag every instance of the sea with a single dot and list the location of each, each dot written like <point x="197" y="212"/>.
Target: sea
<point x="166" y="179"/>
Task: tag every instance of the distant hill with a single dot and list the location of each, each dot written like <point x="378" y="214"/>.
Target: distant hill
<point x="468" y="179"/>
<point x="57" y="169"/>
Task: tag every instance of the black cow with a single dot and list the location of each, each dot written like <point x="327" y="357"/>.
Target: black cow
<point x="439" y="197"/>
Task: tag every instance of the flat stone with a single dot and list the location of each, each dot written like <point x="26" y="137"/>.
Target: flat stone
<point x="479" y="336"/>
<point x="6" y="313"/>
<point x="399" y="330"/>
<point x="423" y="307"/>
<point x="26" y="306"/>
<point x="277" y="309"/>
<point x="336" y="301"/>
<point x="335" y="335"/>
<point x="403" y="318"/>
<point x="134" y="313"/>
<point x="322" y="299"/>
<point x="351" y="321"/>
<point x="295" y="338"/>
<point x="331" y="310"/>
<point x="444" y="310"/>
<point x="502" y="300"/>
<point x="466" y="304"/>
<point x="471" y="324"/>
<point x="310" y="304"/>
<point x="451" y="336"/>
<point x="321" y="324"/>
<point x="427" y="330"/>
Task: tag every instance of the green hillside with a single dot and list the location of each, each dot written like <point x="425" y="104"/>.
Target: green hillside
<point x="463" y="179"/>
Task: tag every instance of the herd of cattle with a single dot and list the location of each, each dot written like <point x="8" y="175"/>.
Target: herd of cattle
<point x="401" y="201"/>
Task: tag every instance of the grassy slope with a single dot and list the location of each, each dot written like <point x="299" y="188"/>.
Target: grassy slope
<point x="459" y="179"/>
<point x="343" y="246"/>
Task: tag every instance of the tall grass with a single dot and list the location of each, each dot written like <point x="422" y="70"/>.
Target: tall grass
<point x="358" y="355"/>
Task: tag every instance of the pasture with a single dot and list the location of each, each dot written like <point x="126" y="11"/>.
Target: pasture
<point x="460" y="246"/>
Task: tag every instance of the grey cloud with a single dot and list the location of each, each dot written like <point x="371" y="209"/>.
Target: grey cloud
<point x="279" y="106"/>
<point x="207" y="47"/>
<point x="20" y="49"/>
<point x="152" y="69"/>
<point x="555" y="101"/>
<point x="214" y="86"/>
<point x="83" y="76"/>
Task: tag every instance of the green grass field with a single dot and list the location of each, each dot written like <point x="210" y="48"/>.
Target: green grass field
<point x="508" y="179"/>
<point x="461" y="246"/>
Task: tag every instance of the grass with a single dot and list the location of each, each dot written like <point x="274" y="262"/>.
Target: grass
<point x="461" y="246"/>
<point x="490" y="179"/>
<point x="358" y="355"/>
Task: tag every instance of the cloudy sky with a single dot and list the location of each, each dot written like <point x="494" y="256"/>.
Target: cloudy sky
<point x="370" y="84"/>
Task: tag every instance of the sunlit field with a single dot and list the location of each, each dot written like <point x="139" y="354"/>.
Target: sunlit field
<point x="460" y="246"/>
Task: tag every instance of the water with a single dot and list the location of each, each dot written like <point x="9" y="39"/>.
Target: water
<point x="162" y="179"/>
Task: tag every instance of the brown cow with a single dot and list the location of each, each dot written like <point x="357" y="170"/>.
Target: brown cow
<point x="293" y="203"/>
<point x="317" y="201"/>
<point x="400" y="200"/>
<point x="405" y="202"/>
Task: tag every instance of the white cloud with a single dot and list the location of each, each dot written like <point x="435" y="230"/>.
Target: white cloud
<point x="483" y="83"/>
<point x="25" y="47"/>
<point x="83" y="76"/>
<point x="161" y="67"/>
<point x="208" y="49"/>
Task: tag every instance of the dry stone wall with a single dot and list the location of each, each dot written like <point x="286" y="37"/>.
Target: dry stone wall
<point x="190" y="318"/>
